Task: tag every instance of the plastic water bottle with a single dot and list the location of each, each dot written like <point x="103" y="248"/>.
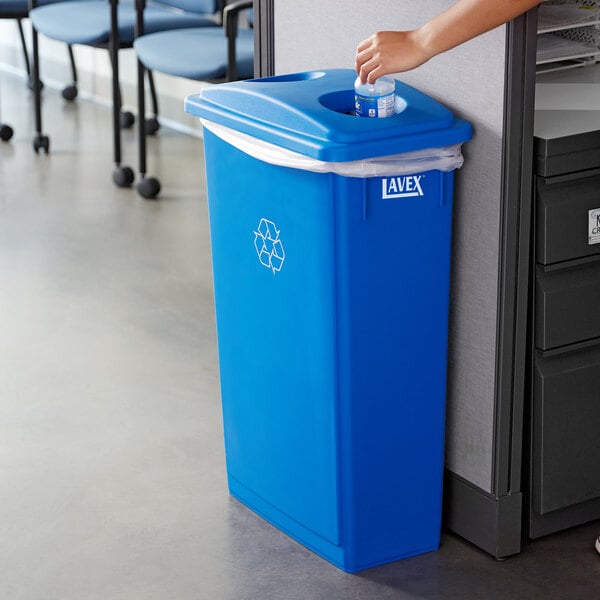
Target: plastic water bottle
<point x="375" y="99"/>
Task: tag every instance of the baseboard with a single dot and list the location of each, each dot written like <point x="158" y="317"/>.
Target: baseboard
<point x="492" y="523"/>
<point x="94" y="84"/>
<point x="540" y="525"/>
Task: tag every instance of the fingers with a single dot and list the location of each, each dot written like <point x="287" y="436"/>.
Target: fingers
<point x="388" y="52"/>
<point x="375" y="74"/>
<point x="365" y="44"/>
<point x="369" y="58"/>
<point x="362" y="69"/>
<point x="366" y="61"/>
<point x="369" y="71"/>
<point x="359" y="61"/>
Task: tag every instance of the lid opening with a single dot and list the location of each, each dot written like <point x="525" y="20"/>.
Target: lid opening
<point x="307" y="75"/>
<point x="342" y="102"/>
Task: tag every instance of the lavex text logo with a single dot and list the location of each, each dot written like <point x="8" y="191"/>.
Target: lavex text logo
<point x="408" y="186"/>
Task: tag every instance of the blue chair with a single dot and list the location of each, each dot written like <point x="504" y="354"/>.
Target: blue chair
<point x="212" y="55"/>
<point x="109" y="24"/>
<point x="19" y="10"/>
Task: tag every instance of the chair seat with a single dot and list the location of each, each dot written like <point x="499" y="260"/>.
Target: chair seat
<point x="199" y="54"/>
<point x="13" y="9"/>
<point x="89" y="22"/>
<point x="18" y="9"/>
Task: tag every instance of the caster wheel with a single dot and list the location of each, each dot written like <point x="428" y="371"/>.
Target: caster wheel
<point x="152" y="126"/>
<point x="41" y="142"/>
<point x="6" y="132"/>
<point x="69" y="93"/>
<point x="126" y="119"/>
<point x="123" y="176"/>
<point x="148" y="188"/>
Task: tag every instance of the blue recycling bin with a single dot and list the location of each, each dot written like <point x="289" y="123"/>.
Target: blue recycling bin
<point x="330" y="239"/>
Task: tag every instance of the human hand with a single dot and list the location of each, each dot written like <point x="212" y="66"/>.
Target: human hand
<point x="389" y="52"/>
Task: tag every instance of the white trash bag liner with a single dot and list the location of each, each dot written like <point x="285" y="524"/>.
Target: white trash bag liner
<point x="446" y="158"/>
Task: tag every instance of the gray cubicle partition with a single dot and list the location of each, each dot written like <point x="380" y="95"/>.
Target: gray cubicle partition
<point x="488" y="81"/>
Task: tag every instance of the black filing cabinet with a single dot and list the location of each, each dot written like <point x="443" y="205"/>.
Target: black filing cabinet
<point x="564" y="444"/>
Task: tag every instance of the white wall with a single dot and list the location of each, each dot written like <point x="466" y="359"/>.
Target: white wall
<point x="470" y="81"/>
<point x="94" y="74"/>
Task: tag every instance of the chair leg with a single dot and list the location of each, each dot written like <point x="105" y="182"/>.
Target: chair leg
<point x="152" y="125"/>
<point x="26" y="56"/>
<point x="122" y="176"/>
<point x="24" y="47"/>
<point x="40" y="141"/>
<point x="147" y="187"/>
<point x="126" y="118"/>
<point x="6" y="131"/>
<point x="70" y="91"/>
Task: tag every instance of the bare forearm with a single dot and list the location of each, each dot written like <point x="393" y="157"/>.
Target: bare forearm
<point x="395" y="51"/>
<point x="467" y="19"/>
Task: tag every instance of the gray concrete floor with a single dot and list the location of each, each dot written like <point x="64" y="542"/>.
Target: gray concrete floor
<point x="112" y="482"/>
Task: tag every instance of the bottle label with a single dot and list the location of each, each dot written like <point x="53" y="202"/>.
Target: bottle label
<point x="374" y="106"/>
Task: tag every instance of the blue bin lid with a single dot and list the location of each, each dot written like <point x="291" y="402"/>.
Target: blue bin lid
<point x="310" y="113"/>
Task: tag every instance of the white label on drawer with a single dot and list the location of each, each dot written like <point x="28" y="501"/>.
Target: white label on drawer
<point x="594" y="226"/>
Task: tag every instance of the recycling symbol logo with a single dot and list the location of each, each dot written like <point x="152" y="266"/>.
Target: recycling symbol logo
<point x="268" y="245"/>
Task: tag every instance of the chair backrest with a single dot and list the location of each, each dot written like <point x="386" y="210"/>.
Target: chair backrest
<point x="196" y="6"/>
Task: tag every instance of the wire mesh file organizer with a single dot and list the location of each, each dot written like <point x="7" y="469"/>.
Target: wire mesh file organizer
<point x="568" y="34"/>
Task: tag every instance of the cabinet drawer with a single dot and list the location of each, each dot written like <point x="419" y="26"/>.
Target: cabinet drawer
<point x="565" y="218"/>
<point x="566" y="444"/>
<point x="567" y="306"/>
